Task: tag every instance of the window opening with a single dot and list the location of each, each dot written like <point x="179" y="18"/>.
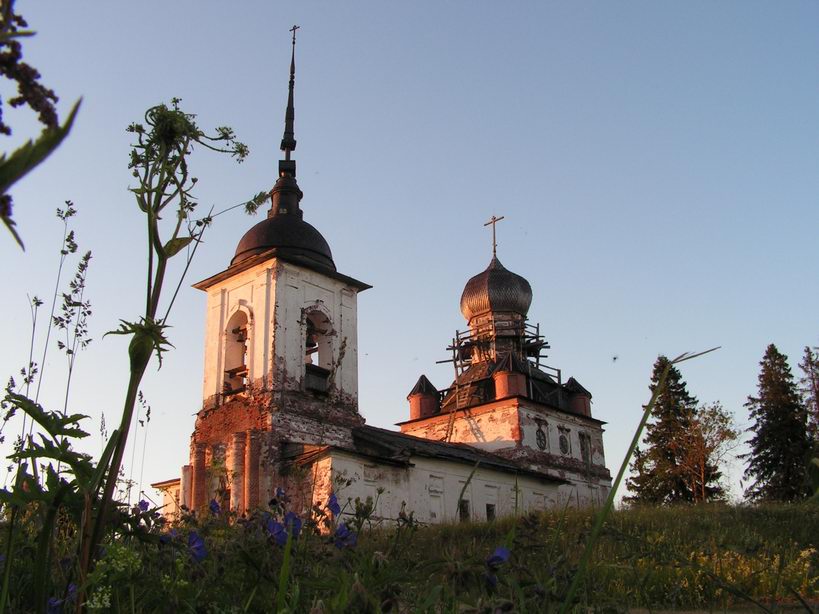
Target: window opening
<point x="490" y="511"/>
<point x="463" y="510"/>
<point x="318" y="352"/>
<point x="565" y="442"/>
<point x="236" y="371"/>
<point x="585" y="448"/>
<point x="540" y="435"/>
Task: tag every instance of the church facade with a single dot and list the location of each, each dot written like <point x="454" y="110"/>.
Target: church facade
<point x="280" y="394"/>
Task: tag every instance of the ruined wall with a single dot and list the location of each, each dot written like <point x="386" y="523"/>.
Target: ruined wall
<point x="490" y="427"/>
<point x="430" y="488"/>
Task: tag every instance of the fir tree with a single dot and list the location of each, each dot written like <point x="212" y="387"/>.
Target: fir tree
<point x="657" y="473"/>
<point x="810" y="391"/>
<point x="780" y="445"/>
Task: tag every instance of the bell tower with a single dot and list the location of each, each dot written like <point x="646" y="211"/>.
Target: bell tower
<point x="281" y="347"/>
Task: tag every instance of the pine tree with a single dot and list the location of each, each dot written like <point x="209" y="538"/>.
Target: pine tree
<point x="780" y="445"/>
<point x="657" y="474"/>
<point x="810" y="391"/>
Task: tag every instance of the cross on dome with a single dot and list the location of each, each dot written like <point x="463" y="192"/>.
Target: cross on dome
<point x="494" y="220"/>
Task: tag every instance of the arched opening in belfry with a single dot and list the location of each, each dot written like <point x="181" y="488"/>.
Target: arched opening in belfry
<point x="318" y="350"/>
<point x="236" y="354"/>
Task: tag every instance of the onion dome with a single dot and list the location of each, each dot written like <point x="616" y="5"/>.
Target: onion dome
<point x="496" y="290"/>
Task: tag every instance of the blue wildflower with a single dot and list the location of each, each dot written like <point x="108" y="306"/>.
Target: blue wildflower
<point x="55" y="605"/>
<point x="279" y="492"/>
<point x="344" y="537"/>
<point x="332" y="504"/>
<point x="214" y="507"/>
<point x="278" y="532"/>
<point x="167" y="538"/>
<point x="143" y="505"/>
<point x="498" y="558"/>
<point x="293" y="523"/>
<point x="196" y="547"/>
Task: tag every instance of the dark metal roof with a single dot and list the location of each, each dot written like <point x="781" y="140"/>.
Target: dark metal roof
<point x="496" y="290"/>
<point x="395" y="446"/>
<point x="423" y="386"/>
<point x="542" y="387"/>
<point x="291" y="236"/>
<point x="574" y="386"/>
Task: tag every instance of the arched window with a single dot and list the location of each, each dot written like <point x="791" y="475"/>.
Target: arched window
<point x="236" y="337"/>
<point x="318" y="350"/>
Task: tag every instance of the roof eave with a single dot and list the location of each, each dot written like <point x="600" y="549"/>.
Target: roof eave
<point x="270" y="254"/>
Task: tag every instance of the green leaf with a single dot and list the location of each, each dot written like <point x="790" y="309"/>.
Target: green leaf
<point x="28" y="156"/>
<point x="54" y="423"/>
<point x="23" y="159"/>
<point x="174" y="246"/>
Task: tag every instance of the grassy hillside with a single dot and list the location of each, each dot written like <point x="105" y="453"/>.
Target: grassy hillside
<point x="708" y="557"/>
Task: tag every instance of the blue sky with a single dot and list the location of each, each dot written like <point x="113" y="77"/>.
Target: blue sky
<point x="655" y="162"/>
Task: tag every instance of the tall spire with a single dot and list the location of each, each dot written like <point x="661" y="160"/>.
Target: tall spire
<point x="289" y="138"/>
<point x="285" y="196"/>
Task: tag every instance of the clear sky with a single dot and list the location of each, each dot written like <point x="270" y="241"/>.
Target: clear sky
<point x="656" y="164"/>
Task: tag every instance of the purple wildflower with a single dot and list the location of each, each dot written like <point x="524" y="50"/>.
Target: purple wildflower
<point x="214" y="507"/>
<point x="332" y="504"/>
<point x="143" y="505"/>
<point x="344" y="537"/>
<point x="293" y="523"/>
<point x="196" y="547"/>
<point x="498" y="558"/>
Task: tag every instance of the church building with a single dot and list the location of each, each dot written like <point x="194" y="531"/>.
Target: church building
<point x="280" y="395"/>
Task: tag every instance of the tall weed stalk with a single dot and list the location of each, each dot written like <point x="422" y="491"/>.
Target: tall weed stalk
<point x="601" y="516"/>
<point x="159" y="162"/>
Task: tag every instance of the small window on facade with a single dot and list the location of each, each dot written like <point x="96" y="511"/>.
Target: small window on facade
<point x="565" y="442"/>
<point x="490" y="511"/>
<point x="585" y="448"/>
<point x="540" y="437"/>
<point x="236" y="340"/>
<point x="463" y="510"/>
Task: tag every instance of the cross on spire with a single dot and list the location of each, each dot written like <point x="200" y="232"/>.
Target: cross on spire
<point x="493" y="221"/>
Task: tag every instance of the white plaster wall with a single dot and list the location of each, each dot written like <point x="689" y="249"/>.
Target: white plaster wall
<point x="489" y="430"/>
<point x="552" y="421"/>
<point x="251" y="291"/>
<point x="274" y="294"/>
<point x="301" y="289"/>
<point x="431" y="488"/>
